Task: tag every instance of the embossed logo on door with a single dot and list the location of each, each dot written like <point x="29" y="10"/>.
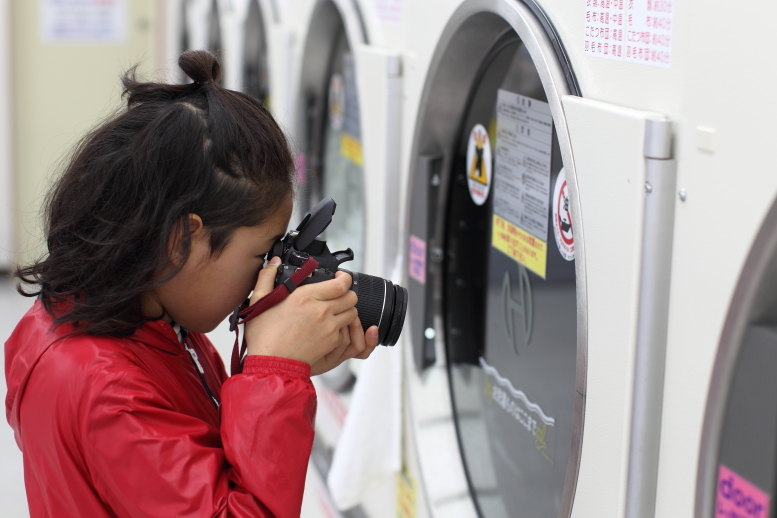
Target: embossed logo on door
<point x="518" y="306"/>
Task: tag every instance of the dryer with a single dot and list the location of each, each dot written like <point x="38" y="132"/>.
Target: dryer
<point x="202" y="26"/>
<point x="717" y="443"/>
<point x="347" y="116"/>
<point x="738" y="452"/>
<point x="536" y="346"/>
<point x="245" y="25"/>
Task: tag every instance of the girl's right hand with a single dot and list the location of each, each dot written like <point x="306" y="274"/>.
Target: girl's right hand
<point x="307" y="325"/>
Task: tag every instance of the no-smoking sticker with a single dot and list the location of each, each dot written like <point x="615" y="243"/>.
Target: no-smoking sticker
<point x="562" y="219"/>
<point x="478" y="164"/>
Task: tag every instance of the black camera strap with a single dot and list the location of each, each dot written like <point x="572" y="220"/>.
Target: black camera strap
<point x="244" y="313"/>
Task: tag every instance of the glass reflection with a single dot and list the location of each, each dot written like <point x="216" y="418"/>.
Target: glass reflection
<point x="511" y="326"/>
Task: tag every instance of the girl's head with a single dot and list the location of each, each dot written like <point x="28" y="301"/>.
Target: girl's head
<point x="166" y="209"/>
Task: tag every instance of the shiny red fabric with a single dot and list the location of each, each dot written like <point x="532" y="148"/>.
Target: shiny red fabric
<point x="115" y="427"/>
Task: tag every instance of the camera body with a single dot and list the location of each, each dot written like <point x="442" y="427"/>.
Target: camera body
<point x="381" y="303"/>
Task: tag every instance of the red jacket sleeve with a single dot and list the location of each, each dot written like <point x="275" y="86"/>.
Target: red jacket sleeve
<point x="148" y="459"/>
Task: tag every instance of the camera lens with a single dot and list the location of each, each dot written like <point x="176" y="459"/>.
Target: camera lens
<point x="381" y="303"/>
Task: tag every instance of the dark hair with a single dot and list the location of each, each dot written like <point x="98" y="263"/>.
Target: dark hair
<point x="131" y="183"/>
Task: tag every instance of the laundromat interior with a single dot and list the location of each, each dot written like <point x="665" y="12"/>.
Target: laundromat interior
<point x="580" y="197"/>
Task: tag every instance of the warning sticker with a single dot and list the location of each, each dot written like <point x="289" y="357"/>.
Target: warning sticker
<point x="515" y="242"/>
<point x="336" y="102"/>
<point x="479" y="164"/>
<point x="407" y="491"/>
<point x="738" y="497"/>
<point x="524" y="138"/>
<point x="417" y="263"/>
<point x="351" y="149"/>
<point x="562" y="219"/>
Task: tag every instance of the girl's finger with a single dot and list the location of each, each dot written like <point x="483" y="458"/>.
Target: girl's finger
<point x="346" y="317"/>
<point x="340" y="304"/>
<point x="371" y="341"/>
<point x="331" y="289"/>
<point x="266" y="280"/>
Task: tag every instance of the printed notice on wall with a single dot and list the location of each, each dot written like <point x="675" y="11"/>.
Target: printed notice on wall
<point x="83" y="20"/>
<point x="524" y="133"/>
<point x="639" y="31"/>
<point x="387" y="12"/>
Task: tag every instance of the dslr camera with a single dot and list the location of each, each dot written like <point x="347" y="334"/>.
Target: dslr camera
<point x="381" y="302"/>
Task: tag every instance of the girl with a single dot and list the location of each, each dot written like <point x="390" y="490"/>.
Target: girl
<point x="157" y="229"/>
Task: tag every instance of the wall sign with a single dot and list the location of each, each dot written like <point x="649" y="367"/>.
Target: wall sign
<point x="639" y="31"/>
<point x="83" y="20"/>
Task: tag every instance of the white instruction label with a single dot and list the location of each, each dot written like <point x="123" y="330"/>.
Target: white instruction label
<point x="83" y="20"/>
<point x="639" y="31"/>
<point x="524" y="133"/>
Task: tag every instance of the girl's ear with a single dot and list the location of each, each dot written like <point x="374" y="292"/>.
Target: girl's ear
<point x="196" y="227"/>
<point x="192" y="224"/>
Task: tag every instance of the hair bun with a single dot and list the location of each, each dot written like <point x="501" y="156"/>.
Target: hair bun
<point x="201" y="65"/>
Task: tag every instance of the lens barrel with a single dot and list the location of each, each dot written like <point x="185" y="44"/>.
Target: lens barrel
<point x="382" y="304"/>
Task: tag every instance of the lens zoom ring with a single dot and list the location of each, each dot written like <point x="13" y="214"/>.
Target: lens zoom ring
<point x="371" y="294"/>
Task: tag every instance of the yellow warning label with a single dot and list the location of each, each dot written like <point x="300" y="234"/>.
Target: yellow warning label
<point x="351" y="149"/>
<point x="477" y="170"/>
<point x="406" y="495"/>
<point x="528" y="250"/>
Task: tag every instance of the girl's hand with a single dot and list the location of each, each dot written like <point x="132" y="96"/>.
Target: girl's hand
<point x="308" y="324"/>
<point x="354" y="343"/>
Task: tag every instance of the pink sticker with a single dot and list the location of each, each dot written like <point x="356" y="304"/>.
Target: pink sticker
<point x="417" y="264"/>
<point x="738" y="498"/>
<point x="301" y="167"/>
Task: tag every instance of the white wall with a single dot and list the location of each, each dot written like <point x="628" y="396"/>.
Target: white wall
<point x="7" y="225"/>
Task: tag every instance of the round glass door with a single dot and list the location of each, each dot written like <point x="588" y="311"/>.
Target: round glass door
<point x="255" y="74"/>
<point x="332" y="163"/>
<point x="335" y="151"/>
<point x="342" y="175"/>
<point x="184" y="40"/>
<point x="214" y="29"/>
<point x="509" y="291"/>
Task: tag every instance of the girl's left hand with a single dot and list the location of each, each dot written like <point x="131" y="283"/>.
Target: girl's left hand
<point x="354" y="343"/>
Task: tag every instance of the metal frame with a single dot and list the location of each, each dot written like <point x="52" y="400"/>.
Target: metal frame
<point x="753" y="294"/>
<point x="448" y="81"/>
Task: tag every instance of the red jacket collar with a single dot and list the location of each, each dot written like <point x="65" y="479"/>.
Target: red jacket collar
<point x="159" y="334"/>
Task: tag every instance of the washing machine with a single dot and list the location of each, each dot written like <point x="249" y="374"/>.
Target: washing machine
<point x="202" y="26"/>
<point x="347" y="118"/>
<point x="245" y="25"/>
<point x="538" y="245"/>
<point x="738" y="452"/>
<point x="718" y="436"/>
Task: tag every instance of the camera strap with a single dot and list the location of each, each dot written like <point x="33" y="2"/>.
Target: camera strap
<point x="244" y="313"/>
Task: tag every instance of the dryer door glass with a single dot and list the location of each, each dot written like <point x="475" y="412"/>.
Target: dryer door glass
<point x="255" y="77"/>
<point x="184" y="41"/>
<point x="214" y="31"/>
<point x="509" y="301"/>
<point x="342" y="175"/>
<point x="747" y="465"/>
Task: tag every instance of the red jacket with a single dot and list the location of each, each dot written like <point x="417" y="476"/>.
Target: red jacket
<point x="124" y="427"/>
